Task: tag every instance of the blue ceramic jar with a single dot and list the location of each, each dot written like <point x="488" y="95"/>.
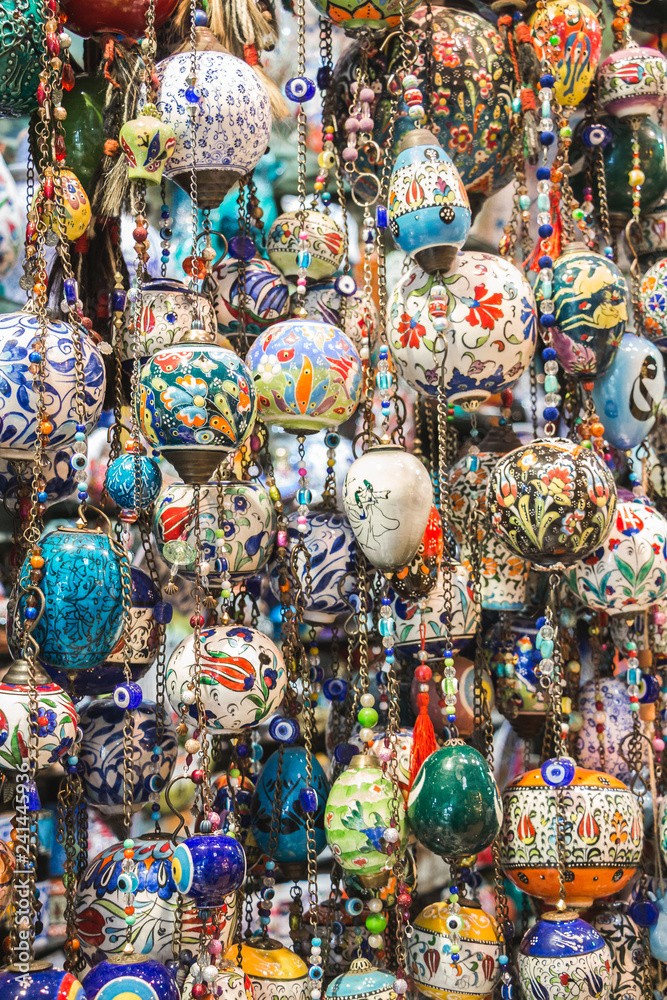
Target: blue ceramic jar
<point x="130" y="977"/>
<point x="561" y="956"/>
<point x="206" y="868"/>
<point x="47" y="984"/>
<point x="627" y="396"/>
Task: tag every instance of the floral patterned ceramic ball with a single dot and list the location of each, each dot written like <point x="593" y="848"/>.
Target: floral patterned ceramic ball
<point x="101" y="754"/>
<point x="325" y="244"/>
<point x="168" y="308"/>
<point x="243" y="677"/>
<point x="275" y="972"/>
<point x="19" y="399"/>
<point x="307" y="375"/>
<point x="602" y="751"/>
<point x="265" y="294"/>
<point x="352" y="313"/>
<point x="237" y="522"/>
<point x="144" y="631"/>
<point x="477" y="971"/>
<point x="490" y="336"/>
<point x="552" y="501"/>
<point x="579" y="42"/>
<point x="440" y="626"/>
<point x="57" y="719"/>
<point x="628" y="572"/>
<point x="521" y="699"/>
<point x="230" y="983"/>
<point x="564" y="958"/>
<point x="633" y="81"/>
<point x="604" y="836"/>
<point x="624" y="940"/>
<point x="653" y="301"/>
<point x="329" y="541"/>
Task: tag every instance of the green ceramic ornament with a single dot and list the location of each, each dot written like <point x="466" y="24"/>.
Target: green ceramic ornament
<point x="85" y="133"/>
<point x="357" y="820"/>
<point x="20" y="56"/>
<point x="454" y="806"/>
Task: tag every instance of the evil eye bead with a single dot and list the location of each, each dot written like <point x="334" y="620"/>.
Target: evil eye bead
<point x="283" y="730"/>
<point x="354" y="906"/>
<point x="78" y="462"/>
<point x="558" y="772"/>
<point x="154" y="782"/>
<point x="182" y="868"/>
<point x="596" y="135"/>
<point x="127" y="696"/>
<point x="453" y="923"/>
<point x="300" y="89"/>
<point x="128" y="882"/>
<point x="345" y="285"/>
<point x="335" y="689"/>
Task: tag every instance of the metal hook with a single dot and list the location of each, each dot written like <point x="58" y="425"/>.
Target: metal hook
<point x="167" y="797"/>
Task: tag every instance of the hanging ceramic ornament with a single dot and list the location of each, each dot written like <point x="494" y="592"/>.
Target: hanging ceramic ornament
<point x="627" y="396"/>
<point x="602" y="750"/>
<point x="628" y="573"/>
<point x="57" y="719"/>
<point x="10" y="220"/>
<point x="110" y="16"/>
<point x="237" y="522"/>
<point x="369" y="17"/>
<point x="355" y="314"/>
<point x="358" y="822"/>
<point x="230" y="983"/>
<point x="454" y="805"/>
<point x="101" y="754"/>
<point x="46" y="983"/>
<point x="380" y="486"/>
<point x="232" y="117"/>
<point x="570" y="32"/>
<point x="624" y="940"/>
<point x="148" y="143"/>
<point x="590" y="310"/>
<point x="243" y="675"/>
<point x="429" y="211"/>
<point x="83" y="599"/>
<point x="325" y="244"/>
<point x="275" y="972"/>
<point x="603" y="843"/>
<point x="20" y="57"/>
<point x="197" y="405"/>
<point x="307" y="375"/>
<point x="76" y="214"/>
<point x="653" y="301"/>
<point x="207" y="868"/>
<point x="420" y="576"/>
<point x="265" y="294"/>
<point x="490" y="330"/>
<point x="552" y="501"/>
<point x="165" y="319"/>
<point x="521" y="699"/>
<point x="362" y="982"/>
<point x="290" y="845"/>
<point x="329" y="541"/>
<point x="477" y="970"/>
<point x="126" y="977"/>
<point x="120" y="481"/>
<point x="16" y="477"/>
<point x="443" y="628"/>
<point x="633" y="81"/>
<point x="561" y="956"/>
<point x="19" y="399"/>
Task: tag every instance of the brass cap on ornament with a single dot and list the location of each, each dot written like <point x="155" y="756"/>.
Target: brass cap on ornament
<point x="556" y="916"/>
<point x="19" y="673"/>
<point x="131" y="958"/>
<point x="194" y="465"/>
<point x="574" y="247"/>
<point x="263" y="944"/>
<point x="198" y="334"/>
<point x="40" y="965"/>
<point x="362" y="965"/>
<point x="418" y="137"/>
<point x="364" y="760"/>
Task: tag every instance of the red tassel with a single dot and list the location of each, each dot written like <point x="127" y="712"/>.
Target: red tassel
<point x="423" y="737"/>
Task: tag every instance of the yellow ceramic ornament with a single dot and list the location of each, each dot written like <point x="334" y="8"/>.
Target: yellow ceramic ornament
<point x="76" y="207"/>
<point x="567" y="34"/>
<point x="275" y="972"/>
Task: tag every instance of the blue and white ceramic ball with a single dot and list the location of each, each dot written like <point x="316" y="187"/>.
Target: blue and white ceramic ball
<point x="57" y="472"/>
<point x="563" y="958"/>
<point x="332" y="551"/>
<point x="208" y="867"/>
<point x="605" y="755"/>
<point x="362" y="981"/>
<point x="120" y="481"/>
<point x="628" y="394"/>
<point x="19" y="401"/>
<point x="132" y="977"/>
<point x="101" y="754"/>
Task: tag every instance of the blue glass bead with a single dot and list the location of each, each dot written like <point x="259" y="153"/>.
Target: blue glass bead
<point x="381" y="677"/>
<point x="79" y="436"/>
<point x="299" y="89"/>
<point x="596" y="135"/>
<point x="455" y="957"/>
<point x="644" y="913"/>
<point x="284" y="730"/>
<point x="547" y="81"/>
<point x="308" y="800"/>
<point x="82" y="495"/>
<point x="545" y="261"/>
<point x="389" y="651"/>
<point x="323" y="77"/>
<point x="80" y="427"/>
<point x="70" y="289"/>
<point x="315" y="972"/>
<point x="543" y="173"/>
<point x="201" y="18"/>
<point x="304" y="496"/>
<point x="547" y="319"/>
<point x="163" y="612"/>
<point x="545" y="231"/>
<point x="550" y="413"/>
<point x="128" y="696"/>
<point x="192" y="95"/>
<point x="381" y="217"/>
<point x="335" y="689"/>
<point x="386" y="626"/>
<point x="165" y="233"/>
<point x="171" y="317"/>
<point x="332" y="440"/>
<point x="541" y="621"/>
<point x="316" y="942"/>
<point x="451" y="718"/>
<point x="344" y="753"/>
<point x="345" y="285"/>
<point x="34" y="357"/>
<point x="558" y="772"/>
<point x="265" y="920"/>
<point x="548" y="354"/>
<point x="32" y="796"/>
<point x="516" y="105"/>
<point x="42" y="497"/>
<point x="270" y="865"/>
<point x="303" y="259"/>
<point x="609" y="252"/>
<point x="326" y="197"/>
<point x="157" y="750"/>
<point x="506" y="991"/>
<point x="31" y="613"/>
<point x="547" y="138"/>
<point x="242" y="248"/>
<point x="503" y="960"/>
<point x="354" y="906"/>
<point x="517" y="16"/>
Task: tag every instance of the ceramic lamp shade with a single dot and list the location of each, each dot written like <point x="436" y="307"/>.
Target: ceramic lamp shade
<point x="490" y="339"/>
<point x="603" y="840"/>
<point x="477" y="970"/>
<point x="325" y="243"/>
<point x="275" y="972"/>
<point x="579" y="43"/>
<point x="558" y="954"/>
<point x="629" y="393"/>
<point x="128" y="17"/>
<point x="454" y="805"/>
<point x="633" y="81"/>
<point x="130" y="977"/>
<point x="265" y="294"/>
<point x="168" y="309"/>
<point x="379" y="487"/>
<point x="429" y="211"/>
<point x="362" y="982"/>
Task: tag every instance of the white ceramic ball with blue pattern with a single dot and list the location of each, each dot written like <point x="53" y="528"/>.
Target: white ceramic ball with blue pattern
<point x="57" y="472"/>
<point x="121" y="480"/>
<point x="564" y="958"/>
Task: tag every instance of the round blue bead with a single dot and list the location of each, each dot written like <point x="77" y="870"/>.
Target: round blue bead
<point x="80" y="427"/>
<point x="323" y="77"/>
<point x="545" y="231"/>
<point x="543" y="173"/>
<point x="549" y="354"/>
<point x="547" y="138"/>
<point x="42" y="497"/>
<point x="547" y="81"/>
<point x="540" y="622"/>
<point x="192" y="95"/>
<point x="547" y="319"/>
<point x="550" y="413"/>
<point x="644" y="913"/>
<point x="34" y="357"/>
<point x="308" y="800"/>
<point x="201" y="18"/>
<point x="545" y="261"/>
<point x="31" y="613"/>
<point x="242" y="750"/>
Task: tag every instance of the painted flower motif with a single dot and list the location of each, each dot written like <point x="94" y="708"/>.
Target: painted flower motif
<point x="507" y="490"/>
<point x="442" y="97"/>
<point x="188" y="399"/>
<point x="268" y="367"/>
<point x="571" y="520"/>
<point x="47" y="722"/>
<point x="489" y="139"/>
<point x="460" y="138"/>
<point x="557" y="483"/>
<point x="614" y="543"/>
<point x="484" y="309"/>
<point x="515" y="566"/>
<point x="61" y="750"/>
<point x="484" y="81"/>
<point x="240" y="504"/>
<point x="411" y="332"/>
<point x="270" y="677"/>
<point x="527" y="461"/>
<point x="282" y="232"/>
<point x="628" y="522"/>
<point x="594" y="558"/>
<point x="489" y="566"/>
<point x="170" y="362"/>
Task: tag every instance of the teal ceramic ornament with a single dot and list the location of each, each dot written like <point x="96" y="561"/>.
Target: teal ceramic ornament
<point x="21" y="31"/>
<point x="590" y="301"/>
<point x="454" y="806"/>
<point x="429" y="211"/>
<point x="296" y="797"/>
<point x="362" y="982"/>
<point x="627" y="396"/>
<point x="130" y="977"/>
<point x="121" y="481"/>
<point x="564" y="958"/>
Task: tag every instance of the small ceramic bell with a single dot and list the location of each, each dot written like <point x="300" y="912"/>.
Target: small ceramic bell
<point x="147" y="142"/>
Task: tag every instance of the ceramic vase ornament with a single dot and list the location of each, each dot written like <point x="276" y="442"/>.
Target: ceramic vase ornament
<point x="307" y="375"/>
<point x="265" y="294"/>
<point x="429" y="211"/>
<point x="604" y="836"/>
<point x="605" y="753"/>
<point x="358" y="822"/>
<point x="361" y="982"/>
<point x="46" y="983"/>
<point x="330" y="544"/>
<point x="444" y="627"/>
<point x="22" y="32"/>
<point x="325" y="244"/>
<point x="575" y="57"/>
<point x="243" y="675"/>
<point x="83" y="599"/>
<point x="120" y="481"/>
<point x="147" y="143"/>
<point x="237" y="522"/>
<point x="380" y="486"/>
<point x="488" y="341"/>
<point x="476" y="972"/>
<point x="633" y="81"/>
<point x="653" y="301"/>
<point x="564" y="958"/>
<point x="16" y="477"/>
<point x="623" y="938"/>
<point x="404" y="738"/>
<point x="552" y="501"/>
<point x="198" y="404"/>
<point x="232" y="118"/>
<point x="57" y="719"/>
<point x="356" y="314"/>
<point x="165" y="319"/>
<point x="590" y="310"/>
<point x="207" y="868"/>
<point x="629" y="393"/>
<point x="628" y="573"/>
<point x="130" y="977"/>
<point x="454" y="804"/>
<point x="19" y="400"/>
<point x="101" y="755"/>
<point x="275" y="972"/>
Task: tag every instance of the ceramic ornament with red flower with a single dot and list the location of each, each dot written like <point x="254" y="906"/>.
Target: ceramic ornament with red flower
<point x="627" y="574"/>
<point x="472" y="331"/>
